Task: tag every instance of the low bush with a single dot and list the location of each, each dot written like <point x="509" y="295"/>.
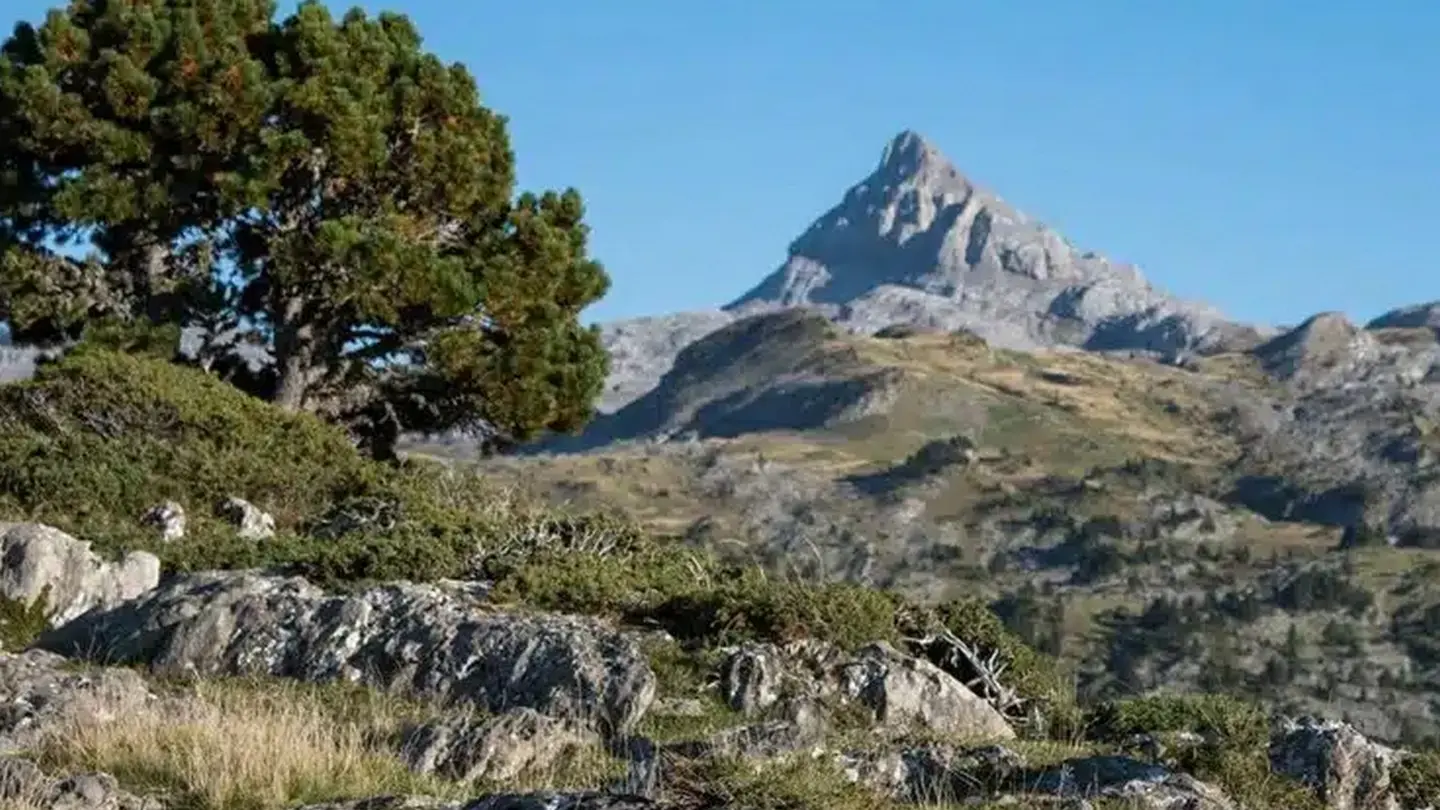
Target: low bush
<point x="1234" y="721"/>
<point x="1233" y="755"/>
<point x="1416" y="779"/>
<point x="21" y="623"/>
<point x="94" y="440"/>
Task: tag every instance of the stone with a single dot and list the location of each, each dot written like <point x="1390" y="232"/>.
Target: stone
<point x="751" y="679"/>
<point x="907" y="692"/>
<point x="1344" y="768"/>
<point x="40" y="694"/>
<point x="419" y="639"/>
<point x="468" y="749"/>
<point x="251" y="522"/>
<point x="501" y="801"/>
<point x="899" y="691"/>
<point x="24" y="784"/>
<point x="168" y="517"/>
<point x="34" y="557"/>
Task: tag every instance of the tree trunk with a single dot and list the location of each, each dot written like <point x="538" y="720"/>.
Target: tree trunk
<point x="294" y="357"/>
<point x="292" y="376"/>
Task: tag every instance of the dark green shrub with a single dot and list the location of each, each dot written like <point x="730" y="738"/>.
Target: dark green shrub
<point x="1415" y="781"/>
<point x="1234" y="721"/>
<point x="97" y="438"/>
<point x="747" y="605"/>
<point x="94" y="440"/>
<point x="21" y="624"/>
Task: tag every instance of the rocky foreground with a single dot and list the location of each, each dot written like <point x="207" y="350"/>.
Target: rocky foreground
<point x="193" y="687"/>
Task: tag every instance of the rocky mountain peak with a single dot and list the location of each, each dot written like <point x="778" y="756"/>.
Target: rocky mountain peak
<point x="971" y="260"/>
<point x="910" y="155"/>
<point x="917" y="243"/>
<point x="1324" y="340"/>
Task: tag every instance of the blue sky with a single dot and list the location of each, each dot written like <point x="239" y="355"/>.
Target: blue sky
<point x="1274" y="158"/>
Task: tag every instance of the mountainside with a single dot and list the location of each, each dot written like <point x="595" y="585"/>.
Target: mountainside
<point x="1262" y="520"/>
<point x="917" y="243"/>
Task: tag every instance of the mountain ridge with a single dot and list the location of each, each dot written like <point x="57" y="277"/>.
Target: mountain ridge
<point x="917" y="243"/>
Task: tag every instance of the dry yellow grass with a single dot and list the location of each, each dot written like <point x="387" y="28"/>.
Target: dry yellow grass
<point x="239" y="746"/>
<point x="263" y="745"/>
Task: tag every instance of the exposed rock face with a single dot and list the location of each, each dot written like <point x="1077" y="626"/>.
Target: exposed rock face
<point x="418" y="638"/>
<point x="34" y="557"/>
<point x="1353" y="438"/>
<point x="1322" y="343"/>
<point x="1346" y="770"/>
<point x="40" y="694"/>
<point x="918" y="242"/>
<point x="468" y="749"/>
<point x="897" y="690"/>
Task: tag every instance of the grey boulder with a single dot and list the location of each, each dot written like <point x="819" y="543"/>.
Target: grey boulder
<point x="424" y="640"/>
<point x="34" y="557"/>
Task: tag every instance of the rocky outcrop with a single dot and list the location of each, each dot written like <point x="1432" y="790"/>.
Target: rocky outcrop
<point x="927" y="773"/>
<point x="464" y="748"/>
<point x="1322" y="343"/>
<point x="898" y="691"/>
<point x="24" y="784"/>
<point x="37" y="560"/>
<point x="1346" y="770"/>
<point x="421" y="639"/>
<point x="41" y="693"/>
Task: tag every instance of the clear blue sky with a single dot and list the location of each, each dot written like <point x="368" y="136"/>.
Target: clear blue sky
<point x="1273" y="157"/>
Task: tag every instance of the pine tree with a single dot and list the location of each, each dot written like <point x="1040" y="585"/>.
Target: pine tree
<point x="324" y="188"/>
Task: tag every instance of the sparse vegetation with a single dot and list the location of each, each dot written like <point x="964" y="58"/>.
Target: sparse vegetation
<point x="22" y="623"/>
<point x="800" y="785"/>
<point x="97" y="437"/>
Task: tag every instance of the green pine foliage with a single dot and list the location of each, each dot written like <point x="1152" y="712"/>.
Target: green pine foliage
<point x="325" y="186"/>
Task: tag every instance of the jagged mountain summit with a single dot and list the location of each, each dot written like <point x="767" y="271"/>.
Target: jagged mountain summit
<point x="917" y="243"/>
